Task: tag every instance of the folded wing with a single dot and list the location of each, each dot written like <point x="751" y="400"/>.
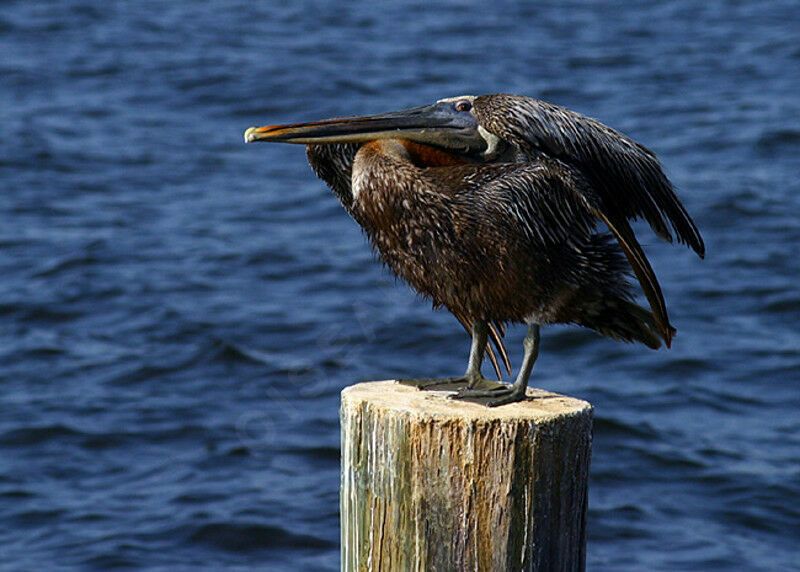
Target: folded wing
<point x="626" y="177"/>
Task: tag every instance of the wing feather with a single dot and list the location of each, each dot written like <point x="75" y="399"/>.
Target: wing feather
<point x="467" y="324"/>
<point x="625" y="175"/>
<point x="554" y="204"/>
<point x="496" y="333"/>
<point x="644" y="272"/>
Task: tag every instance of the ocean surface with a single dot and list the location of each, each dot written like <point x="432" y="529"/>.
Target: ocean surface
<point x="179" y="311"/>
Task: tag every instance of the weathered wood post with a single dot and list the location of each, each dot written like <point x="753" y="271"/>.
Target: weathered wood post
<point x="430" y="483"/>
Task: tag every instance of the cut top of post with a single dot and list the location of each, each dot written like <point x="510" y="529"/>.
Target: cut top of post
<point x="391" y="395"/>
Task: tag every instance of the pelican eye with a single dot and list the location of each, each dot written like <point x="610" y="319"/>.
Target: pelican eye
<point x="463" y="105"/>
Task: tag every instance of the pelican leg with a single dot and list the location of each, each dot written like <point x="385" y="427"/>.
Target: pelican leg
<point x="517" y="391"/>
<point x="473" y="377"/>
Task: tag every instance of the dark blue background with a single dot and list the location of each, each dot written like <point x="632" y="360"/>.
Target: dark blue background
<point x="178" y="312"/>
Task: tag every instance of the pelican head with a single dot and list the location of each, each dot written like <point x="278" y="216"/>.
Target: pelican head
<point x="449" y="124"/>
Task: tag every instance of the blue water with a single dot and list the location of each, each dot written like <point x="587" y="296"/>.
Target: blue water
<point x="179" y="311"/>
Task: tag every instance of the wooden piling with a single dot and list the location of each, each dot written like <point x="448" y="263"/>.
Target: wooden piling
<point x="430" y="483"/>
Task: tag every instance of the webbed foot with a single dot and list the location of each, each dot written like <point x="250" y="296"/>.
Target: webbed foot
<point x="430" y="383"/>
<point x="464" y="383"/>
<point x="510" y="394"/>
<point x="504" y="395"/>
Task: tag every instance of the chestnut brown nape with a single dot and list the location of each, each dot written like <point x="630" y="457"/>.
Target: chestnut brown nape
<point x="423" y="156"/>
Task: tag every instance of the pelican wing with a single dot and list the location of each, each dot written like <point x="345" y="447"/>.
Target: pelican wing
<point x="622" y="231"/>
<point x="625" y="175"/>
<point x="553" y="203"/>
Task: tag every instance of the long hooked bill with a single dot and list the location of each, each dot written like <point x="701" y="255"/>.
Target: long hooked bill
<point x="435" y="124"/>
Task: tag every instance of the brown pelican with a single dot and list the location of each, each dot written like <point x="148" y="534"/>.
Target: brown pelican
<point x="503" y="209"/>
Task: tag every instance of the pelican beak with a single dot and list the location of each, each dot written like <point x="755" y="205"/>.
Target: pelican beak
<point x="439" y="125"/>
